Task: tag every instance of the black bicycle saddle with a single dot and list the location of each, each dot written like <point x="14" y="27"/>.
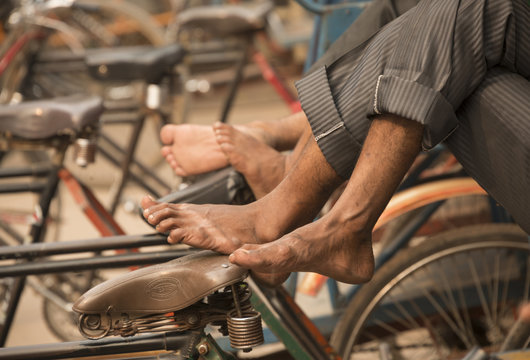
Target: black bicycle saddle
<point x="163" y="288"/>
<point x="224" y="186"/>
<point x="41" y="119"/>
<point x="226" y="20"/>
<point x="133" y="62"/>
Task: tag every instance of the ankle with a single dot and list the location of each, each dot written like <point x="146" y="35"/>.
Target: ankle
<point x="267" y="228"/>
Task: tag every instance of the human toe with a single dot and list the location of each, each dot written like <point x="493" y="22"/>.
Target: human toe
<point x="167" y="134"/>
<point x="147" y="202"/>
<point x="165" y="151"/>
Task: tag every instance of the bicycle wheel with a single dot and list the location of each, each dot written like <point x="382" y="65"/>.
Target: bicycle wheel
<point x="111" y="23"/>
<point x="65" y="290"/>
<point x="439" y="299"/>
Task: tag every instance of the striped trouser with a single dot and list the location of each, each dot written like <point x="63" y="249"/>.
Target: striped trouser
<point x="423" y="66"/>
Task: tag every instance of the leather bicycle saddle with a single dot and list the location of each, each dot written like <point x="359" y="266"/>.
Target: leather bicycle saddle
<point x="168" y="287"/>
<point x="133" y="62"/>
<point x="226" y="20"/>
<point x="41" y="119"/>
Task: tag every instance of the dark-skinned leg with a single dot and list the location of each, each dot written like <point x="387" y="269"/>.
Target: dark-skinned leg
<point x="339" y="244"/>
<point x="192" y="149"/>
<point x="282" y="134"/>
<point x="262" y="166"/>
<point x="224" y="228"/>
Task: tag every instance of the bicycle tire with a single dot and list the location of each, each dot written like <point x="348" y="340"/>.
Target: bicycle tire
<point x="387" y="312"/>
<point x="141" y="19"/>
<point x="68" y="287"/>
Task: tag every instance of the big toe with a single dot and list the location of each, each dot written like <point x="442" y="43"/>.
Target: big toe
<point x="167" y="134"/>
<point x="222" y="129"/>
<point x="247" y="256"/>
<point x="166" y="150"/>
<point x="147" y="202"/>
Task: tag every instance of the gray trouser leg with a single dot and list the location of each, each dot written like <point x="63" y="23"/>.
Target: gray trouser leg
<point x="493" y="140"/>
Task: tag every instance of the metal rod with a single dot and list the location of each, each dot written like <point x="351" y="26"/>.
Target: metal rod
<point x="37" y="234"/>
<point x="234" y="86"/>
<point x="283" y="316"/>
<point x="92" y="263"/>
<point x="36" y="285"/>
<point x="236" y="301"/>
<point x="147" y="172"/>
<point x="34" y="170"/>
<point x="15" y="291"/>
<point x="126" y="163"/>
<point x="78" y="246"/>
<point x="132" y="176"/>
<point x="406" y="233"/>
<point x="34" y="187"/>
<point x="90" y="348"/>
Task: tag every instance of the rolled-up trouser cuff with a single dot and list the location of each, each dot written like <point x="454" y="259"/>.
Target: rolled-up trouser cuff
<point x="335" y="141"/>
<point x="411" y="100"/>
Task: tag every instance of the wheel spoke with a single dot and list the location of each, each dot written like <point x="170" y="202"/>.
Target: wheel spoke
<point x="450" y="301"/>
<point x="463" y="303"/>
<point x="480" y="292"/>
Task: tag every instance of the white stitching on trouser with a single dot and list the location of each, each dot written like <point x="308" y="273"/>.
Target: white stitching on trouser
<point x="336" y="127"/>
<point x="376" y="110"/>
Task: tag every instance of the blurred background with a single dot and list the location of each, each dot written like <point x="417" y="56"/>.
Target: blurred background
<point x="63" y="47"/>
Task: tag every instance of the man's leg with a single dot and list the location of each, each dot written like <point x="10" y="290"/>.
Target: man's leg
<point x="193" y="149"/>
<point x="262" y="166"/>
<point x="339" y="244"/>
<point x="492" y="141"/>
<point x="295" y="200"/>
<point x="224" y="228"/>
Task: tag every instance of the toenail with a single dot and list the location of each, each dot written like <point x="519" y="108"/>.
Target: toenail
<point x="151" y="217"/>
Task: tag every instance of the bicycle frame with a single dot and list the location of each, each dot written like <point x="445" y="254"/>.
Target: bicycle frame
<point x="53" y="174"/>
<point x="24" y="41"/>
<point x="427" y="194"/>
<point x="278" y="310"/>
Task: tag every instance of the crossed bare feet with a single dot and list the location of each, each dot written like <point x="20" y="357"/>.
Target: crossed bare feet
<point x="220" y="228"/>
<point x="261" y="165"/>
<point x="191" y="149"/>
<point x="325" y="246"/>
<point x="195" y="149"/>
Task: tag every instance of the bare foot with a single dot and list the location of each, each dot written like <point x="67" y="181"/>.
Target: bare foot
<point x="325" y="246"/>
<point x="261" y="165"/>
<point x="219" y="228"/>
<point x="198" y="225"/>
<point x="191" y="149"/>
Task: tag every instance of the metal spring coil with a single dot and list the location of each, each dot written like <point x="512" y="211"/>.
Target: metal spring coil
<point x="84" y="152"/>
<point x="245" y="332"/>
